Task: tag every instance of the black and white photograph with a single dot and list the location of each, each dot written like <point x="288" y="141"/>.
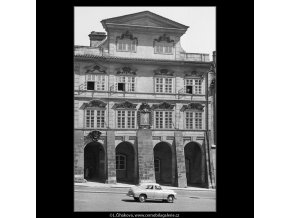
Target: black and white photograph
<point x="144" y="109"/>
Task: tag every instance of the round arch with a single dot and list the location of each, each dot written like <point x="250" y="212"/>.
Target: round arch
<point x="194" y="164"/>
<point x="126" y="163"/>
<point x="94" y="162"/>
<point x="163" y="163"/>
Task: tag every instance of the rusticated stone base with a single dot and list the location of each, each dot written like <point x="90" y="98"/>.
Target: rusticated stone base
<point x="145" y="156"/>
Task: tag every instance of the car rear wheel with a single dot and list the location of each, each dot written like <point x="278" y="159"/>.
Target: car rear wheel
<point x="170" y="199"/>
<point x="142" y="198"/>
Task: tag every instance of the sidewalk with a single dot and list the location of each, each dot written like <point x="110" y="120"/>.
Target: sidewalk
<point x="124" y="185"/>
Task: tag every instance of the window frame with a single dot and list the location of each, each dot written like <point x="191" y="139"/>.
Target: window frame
<point x="196" y="88"/>
<point x="163" y="118"/>
<point x="125" y="111"/>
<point x="118" y="156"/>
<point x="161" y="47"/>
<point x="194" y="118"/>
<point x="159" y="164"/>
<point x="128" y="84"/>
<point x="128" y="44"/>
<point x="163" y="84"/>
<point x="98" y="82"/>
<point x="95" y="118"/>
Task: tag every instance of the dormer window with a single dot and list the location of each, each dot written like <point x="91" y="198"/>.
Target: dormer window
<point x="163" y="48"/>
<point x="163" y="45"/>
<point x="126" y="42"/>
<point x="126" y="45"/>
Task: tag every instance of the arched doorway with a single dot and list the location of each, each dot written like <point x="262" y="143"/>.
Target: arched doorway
<point x="94" y="162"/>
<point x="193" y="163"/>
<point x="125" y="163"/>
<point x="163" y="163"/>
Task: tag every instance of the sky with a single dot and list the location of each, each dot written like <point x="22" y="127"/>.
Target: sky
<point x="199" y="37"/>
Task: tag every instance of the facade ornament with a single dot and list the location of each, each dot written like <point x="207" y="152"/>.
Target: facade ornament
<point x="95" y="69"/>
<point x="95" y="104"/>
<point x="194" y="73"/>
<point x="164" y="38"/>
<point x="192" y="106"/>
<point x="144" y="116"/>
<point x="127" y="35"/>
<point x="124" y="105"/>
<point x="163" y="72"/>
<point x="93" y="136"/>
<point x="163" y="106"/>
<point x="126" y="71"/>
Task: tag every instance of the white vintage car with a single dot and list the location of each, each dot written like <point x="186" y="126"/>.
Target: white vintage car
<point x="151" y="191"/>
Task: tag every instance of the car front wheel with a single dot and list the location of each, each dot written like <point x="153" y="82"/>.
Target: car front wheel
<point x="170" y="199"/>
<point x="142" y="198"/>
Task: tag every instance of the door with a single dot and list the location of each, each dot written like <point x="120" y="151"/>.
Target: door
<point x="158" y="192"/>
<point x="150" y="192"/>
<point x="187" y="164"/>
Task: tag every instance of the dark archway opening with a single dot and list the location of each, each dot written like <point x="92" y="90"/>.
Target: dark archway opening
<point x="125" y="163"/>
<point x="163" y="163"/>
<point x="193" y="164"/>
<point x="94" y="162"/>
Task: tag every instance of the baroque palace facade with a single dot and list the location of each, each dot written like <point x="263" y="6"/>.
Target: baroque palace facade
<point x="141" y="105"/>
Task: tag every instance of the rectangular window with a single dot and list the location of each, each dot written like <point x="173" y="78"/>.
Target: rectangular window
<point x="163" y="119"/>
<point x="189" y="120"/>
<point x="157" y="165"/>
<point x="163" y="85"/>
<point x="163" y="48"/>
<point x="193" y="120"/>
<point x="120" y="162"/>
<point x="192" y="86"/>
<point x="198" y="120"/>
<point x="125" y="83"/>
<point x="121" y="119"/>
<point x="197" y="86"/>
<point x="130" y="119"/>
<point x="96" y="82"/>
<point x="90" y="118"/>
<point x="100" y="118"/>
<point x="126" y="45"/>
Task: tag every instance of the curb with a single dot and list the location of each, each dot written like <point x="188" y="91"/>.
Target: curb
<point x="131" y="186"/>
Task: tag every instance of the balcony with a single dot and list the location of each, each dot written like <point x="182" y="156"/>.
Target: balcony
<point x="194" y="57"/>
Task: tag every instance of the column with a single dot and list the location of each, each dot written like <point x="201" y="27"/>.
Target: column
<point x="79" y="156"/>
<point x="180" y="159"/>
<point x="111" y="157"/>
<point x="145" y="156"/>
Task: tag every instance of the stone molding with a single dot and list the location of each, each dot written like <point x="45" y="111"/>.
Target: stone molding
<point x="125" y="105"/>
<point x="193" y="107"/>
<point x="97" y="104"/>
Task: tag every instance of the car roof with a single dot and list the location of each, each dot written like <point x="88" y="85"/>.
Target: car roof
<point x="148" y="183"/>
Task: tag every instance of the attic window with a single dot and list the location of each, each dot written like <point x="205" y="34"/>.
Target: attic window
<point x="163" y="48"/>
<point x="126" y="45"/>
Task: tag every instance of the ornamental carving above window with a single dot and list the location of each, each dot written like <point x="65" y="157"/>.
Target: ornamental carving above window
<point x="124" y="105"/>
<point x="93" y="136"/>
<point x="95" y="104"/>
<point x="127" y="35"/>
<point x="163" y="72"/>
<point x="95" y="69"/>
<point x="126" y="71"/>
<point x="194" y="73"/>
<point x="164" y="38"/>
<point x="192" y="106"/>
<point x="163" y="106"/>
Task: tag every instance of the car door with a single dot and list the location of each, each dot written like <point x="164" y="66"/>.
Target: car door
<point x="158" y="194"/>
<point x="150" y="192"/>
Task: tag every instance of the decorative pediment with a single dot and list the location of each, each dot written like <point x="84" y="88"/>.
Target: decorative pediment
<point x="143" y="19"/>
<point x="164" y="38"/>
<point x="163" y="106"/>
<point x="94" y="104"/>
<point x="124" y="105"/>
<point x="194" y="73"/>
<point x="95" y="69"/>
<point x="126" y="71"/>
<point x="192" y="106"/>
<point x="163" y="72"/>
<point x="144" y="108"/>
<point x="127" y="35"/>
